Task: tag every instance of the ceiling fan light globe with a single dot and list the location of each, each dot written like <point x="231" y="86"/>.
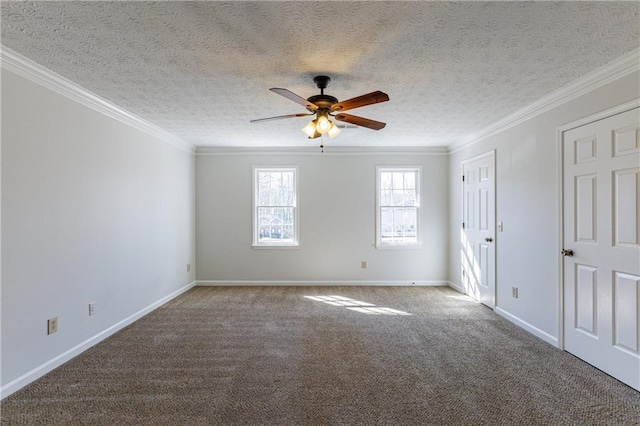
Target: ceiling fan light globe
<point x="323" y="124"/>
<point x="334" y="131"/>
<point x="310" y="129"/>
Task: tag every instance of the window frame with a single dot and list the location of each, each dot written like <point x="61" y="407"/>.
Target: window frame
<point x="403" y="244"/>
<point x="256" y="243"/>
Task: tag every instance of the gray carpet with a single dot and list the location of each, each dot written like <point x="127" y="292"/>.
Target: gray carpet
<point x="268" y="355"/>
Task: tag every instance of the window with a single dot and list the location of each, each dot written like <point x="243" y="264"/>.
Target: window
<point x="275" y="220"/>
<point x="398" y="206"/>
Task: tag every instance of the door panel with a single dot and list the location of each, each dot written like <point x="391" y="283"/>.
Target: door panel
<point x="626" y="299"/>
<point x="602" y="227"/>
<point x="626" y="141"/>
<point x="585" y="213"/>
<point x="626" y="221"/>
<point x="483" y="209"/>
<point x="478" y="250"/>
<point x="585" y="150"/>
<point x="586" y="299"/>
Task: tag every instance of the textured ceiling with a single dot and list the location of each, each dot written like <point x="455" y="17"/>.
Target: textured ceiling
<point x="202" y="70"/>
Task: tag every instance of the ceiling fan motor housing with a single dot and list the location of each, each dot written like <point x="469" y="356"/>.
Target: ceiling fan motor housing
<point x="323" y="101"/>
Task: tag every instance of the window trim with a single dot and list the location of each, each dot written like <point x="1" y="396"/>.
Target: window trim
<point x="398" y="245"/>
<point x="256" y="244"/>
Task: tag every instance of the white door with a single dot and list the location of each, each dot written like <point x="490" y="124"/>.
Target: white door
<point x="478" y="228"/>
<point x="602" y="231"/>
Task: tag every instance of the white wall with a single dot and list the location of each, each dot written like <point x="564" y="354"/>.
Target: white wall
<point x="337" y="221"/>
<point x="92" y="211"/>
<point x="527" y="202"/>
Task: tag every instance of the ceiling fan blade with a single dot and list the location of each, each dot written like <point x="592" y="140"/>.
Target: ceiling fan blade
<point x="368" y="99"/>
<point x="359" y="121"/>
<point x="279" y="117"/>
<point x="295" y="98"/>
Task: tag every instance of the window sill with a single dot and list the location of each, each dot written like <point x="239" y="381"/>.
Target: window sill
<point x="415" y="246"/>
<point x="275" y="246"/>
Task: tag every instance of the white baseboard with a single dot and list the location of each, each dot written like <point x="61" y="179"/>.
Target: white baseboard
<point x="48" y="366"/>
<point x="231" y="283"/>
<point x="456" y="287"/>
<point x="552" y="340"/>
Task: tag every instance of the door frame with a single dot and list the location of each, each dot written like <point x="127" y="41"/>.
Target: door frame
<point x="560" y="190"/>
<point x="491" y="153"/>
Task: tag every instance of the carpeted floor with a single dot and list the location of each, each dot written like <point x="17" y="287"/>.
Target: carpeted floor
<point x="269" y="355"/>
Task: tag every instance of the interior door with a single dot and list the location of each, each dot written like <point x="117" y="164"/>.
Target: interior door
<point x="478" y="228"/>
<point x="602" y="244"/>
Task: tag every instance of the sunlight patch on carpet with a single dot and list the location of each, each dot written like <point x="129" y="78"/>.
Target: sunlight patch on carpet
<point x="356" y="305"/>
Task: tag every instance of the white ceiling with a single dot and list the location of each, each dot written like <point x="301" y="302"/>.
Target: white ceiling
<point x="202" y="70"/>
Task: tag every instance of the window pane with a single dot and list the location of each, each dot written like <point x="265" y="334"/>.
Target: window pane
<point x="386" y="216"/>
<point x="288" y="197"/>
<point x="263" y="198"/>
<point x="264" y="180"/>
<point x="275" y="197"/>
<point x="287" y="180"/>
<point x="276" y="224"/>
<point x="276" y="188"/>
<point x="386" y="180"/>
<point x="398" y="180"/>
<point x="410" y="180"/>
<point x="385" y="198"/>
<point x="409" y="198"/>
<point x="287" y="232"/>
<point x="397" y="198"/>
<point x="276" y="180"/>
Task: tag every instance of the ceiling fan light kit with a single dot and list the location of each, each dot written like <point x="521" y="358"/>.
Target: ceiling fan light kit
<point x="324" y="106"/>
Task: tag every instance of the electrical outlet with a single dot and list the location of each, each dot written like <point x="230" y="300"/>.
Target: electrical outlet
<point x="92" y="309"/>
<point x="52" y="325"/>
<point x="363" y="264"/>
<point x="188" y="267"/>
<point x="514" y="292"/>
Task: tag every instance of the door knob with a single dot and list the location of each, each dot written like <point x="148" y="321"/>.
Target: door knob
<point x="488" y="239"/>
<point x="568" y="253"/>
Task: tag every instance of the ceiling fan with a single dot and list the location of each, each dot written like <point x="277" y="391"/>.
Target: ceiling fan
<point x="325" y="106"/>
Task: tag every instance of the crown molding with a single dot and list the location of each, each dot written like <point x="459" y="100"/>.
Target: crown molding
<point x="343" y="150"/>
<point x="614" y="70"/>
<point x="24" y="67"/>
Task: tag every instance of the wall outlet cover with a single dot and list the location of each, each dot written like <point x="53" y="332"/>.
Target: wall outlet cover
<point x="52" y="325"/>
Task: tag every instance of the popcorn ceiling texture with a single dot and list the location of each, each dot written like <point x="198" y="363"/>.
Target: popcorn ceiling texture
<point x="202" y="70"/>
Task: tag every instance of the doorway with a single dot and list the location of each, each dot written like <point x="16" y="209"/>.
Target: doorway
<point x="601" y="244"/>
<point x="478" y="228"/>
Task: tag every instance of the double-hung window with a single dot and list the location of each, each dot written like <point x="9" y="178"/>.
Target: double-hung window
<point x="275" y="213"/>
<point x="397" y="206"/>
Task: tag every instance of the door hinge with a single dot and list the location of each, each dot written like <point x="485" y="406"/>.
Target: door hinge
<point x="463" y="178"/>
<point x="462" y="225"/>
